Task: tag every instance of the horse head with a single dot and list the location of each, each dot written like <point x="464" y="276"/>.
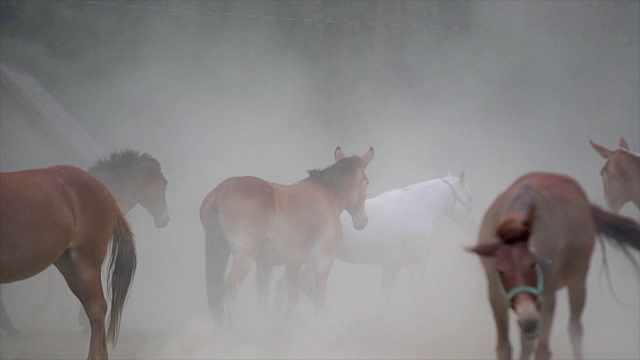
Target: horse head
<point x="461" y="198"/>
<point x="616" y="173"/>
<point x="153" y="196"/>
<point x="357" y="191"/>
<point x="518" y="274"/>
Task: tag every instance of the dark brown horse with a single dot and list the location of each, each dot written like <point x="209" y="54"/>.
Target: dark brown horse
<point x="280" y="225"/>
<point x="620" y="175"/>
<point x="133" y="178"/>
<point x="64" y="216"/>
<point x="535" y="239"/>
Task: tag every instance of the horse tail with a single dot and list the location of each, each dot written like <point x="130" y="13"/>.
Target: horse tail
<point x="623" y="230"/>
<point x="619" y="230"/>
<point x="216" y="256"/>
<point x="122" y="268"/>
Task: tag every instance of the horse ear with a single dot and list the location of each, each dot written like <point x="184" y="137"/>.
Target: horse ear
<point x="366" y="158"/>
<point x="603" y="151"/>
<point x="461" y="178"/>
<point x="338" y="154"/>
<point x="623" y="143"/>
<point x="485" y="250"/>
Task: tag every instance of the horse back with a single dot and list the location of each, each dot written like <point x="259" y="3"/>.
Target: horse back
<point x="44" y="212"/>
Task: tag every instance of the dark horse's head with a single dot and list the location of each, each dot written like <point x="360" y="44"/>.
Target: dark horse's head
<point x="135" y="178"/>
<point x="518" y="277"/>
<point x="348" y="177"/>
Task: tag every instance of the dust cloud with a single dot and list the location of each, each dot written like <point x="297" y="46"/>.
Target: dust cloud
<point x="523" y="90"/>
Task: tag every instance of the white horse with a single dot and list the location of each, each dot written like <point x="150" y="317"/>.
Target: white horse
<point x="400" y="222"/>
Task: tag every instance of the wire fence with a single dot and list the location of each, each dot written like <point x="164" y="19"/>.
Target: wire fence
<point x="320" y="22"/>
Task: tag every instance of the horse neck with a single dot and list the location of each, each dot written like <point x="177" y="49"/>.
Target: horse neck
<point x="124" y="187"/>
<point x="338" y="195"/>
<point x="633" y="179"/>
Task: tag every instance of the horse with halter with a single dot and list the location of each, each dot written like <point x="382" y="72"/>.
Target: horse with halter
<point x="133" y="178"/>
<point x="620" y="175"/>
<point x="66" y="217"/>
<point x="535" y="239"/>
<point x="275" y="224"/>
<point x="400" y="224"/>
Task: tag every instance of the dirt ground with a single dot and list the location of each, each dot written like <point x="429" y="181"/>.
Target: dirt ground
<point x="452" y="321"/>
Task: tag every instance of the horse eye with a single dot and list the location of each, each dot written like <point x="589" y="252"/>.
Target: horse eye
<point x="533" y="265"/>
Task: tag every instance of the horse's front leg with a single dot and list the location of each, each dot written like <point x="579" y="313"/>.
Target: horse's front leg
<point x="293" y="276"/>
<point x="501" y="316"/>
<point x="543" y="351"/>
<point x="323" y="268"/>
<point x="263" y="281"/>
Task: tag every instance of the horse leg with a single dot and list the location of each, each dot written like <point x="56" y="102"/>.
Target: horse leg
<point x="83" y="278"/>
<point x="387" y="281"/>
<point x="281" y="288"/>
<point x="543" y="351"/>
<point x="293" y="276"/>
<point x="323" y="268"/>
<point x="307" y="280"/>
<point x="501" y="317"/>
<point x="577" y="300"/>
<point x="5" y="320"/>
<point x="263" y="280"/>
<point x="238" y="272"/>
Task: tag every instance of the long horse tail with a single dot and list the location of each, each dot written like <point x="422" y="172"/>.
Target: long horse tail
<point x="620" y="230"/>
<point x="623" y="230"/>
<point x="216" y="256"/>
<point x="122" y="268"/>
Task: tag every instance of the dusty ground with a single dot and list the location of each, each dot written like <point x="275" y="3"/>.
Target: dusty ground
<point x="453" y="321"/>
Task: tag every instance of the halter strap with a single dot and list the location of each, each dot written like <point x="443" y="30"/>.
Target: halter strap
<point x="456" y="196"/>
<point x="536" y="291"/>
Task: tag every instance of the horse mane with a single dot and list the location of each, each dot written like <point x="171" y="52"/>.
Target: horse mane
<point x="117" y="167"/>
<point x="333" y="175"/>
<point x="517" y="224"/>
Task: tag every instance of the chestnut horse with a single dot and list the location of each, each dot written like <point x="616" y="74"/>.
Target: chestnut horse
<point x="64" y="216"/>
<point x="133" y="178"/>
<point x="620" y="175"/>
<point x="535" y="239"/>
<point x="278" y="224"/>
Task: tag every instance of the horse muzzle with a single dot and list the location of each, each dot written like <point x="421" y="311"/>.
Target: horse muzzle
<point x="161" y="221"/>
<point x="360" y="220"/>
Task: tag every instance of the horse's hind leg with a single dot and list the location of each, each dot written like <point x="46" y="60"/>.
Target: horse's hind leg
<point x="263" y="280"/>
<point x="387" y="282"/>
<point x="88" y="289"/>
<point x="577" y="300"/>
<point x="238" y="272"/>
<point x="5" y="320"/>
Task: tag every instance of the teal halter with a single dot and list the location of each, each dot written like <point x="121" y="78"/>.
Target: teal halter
<point x="536" y="291"/>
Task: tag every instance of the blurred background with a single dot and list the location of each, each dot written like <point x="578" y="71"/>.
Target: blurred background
<point x="214" y="89"/>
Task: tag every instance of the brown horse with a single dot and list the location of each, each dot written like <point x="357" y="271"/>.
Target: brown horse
<point x="536" y="238"/>
<point x="280" y="225"/>
<point x="620" y="175"/>
<point x="133" y="178"/>
<point x="64" y="216"/>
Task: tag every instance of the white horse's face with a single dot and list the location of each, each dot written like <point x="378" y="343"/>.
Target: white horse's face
<point x="461" y="200"/>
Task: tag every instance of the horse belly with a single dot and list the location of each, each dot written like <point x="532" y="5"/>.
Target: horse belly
<point x="30" y="243"/>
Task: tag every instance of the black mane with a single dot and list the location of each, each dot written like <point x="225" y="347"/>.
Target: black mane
<point x="334" y="174"/>
<point x="117" y="167"/>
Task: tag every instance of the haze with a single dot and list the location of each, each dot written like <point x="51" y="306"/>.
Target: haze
<point x="523" y="88"/>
